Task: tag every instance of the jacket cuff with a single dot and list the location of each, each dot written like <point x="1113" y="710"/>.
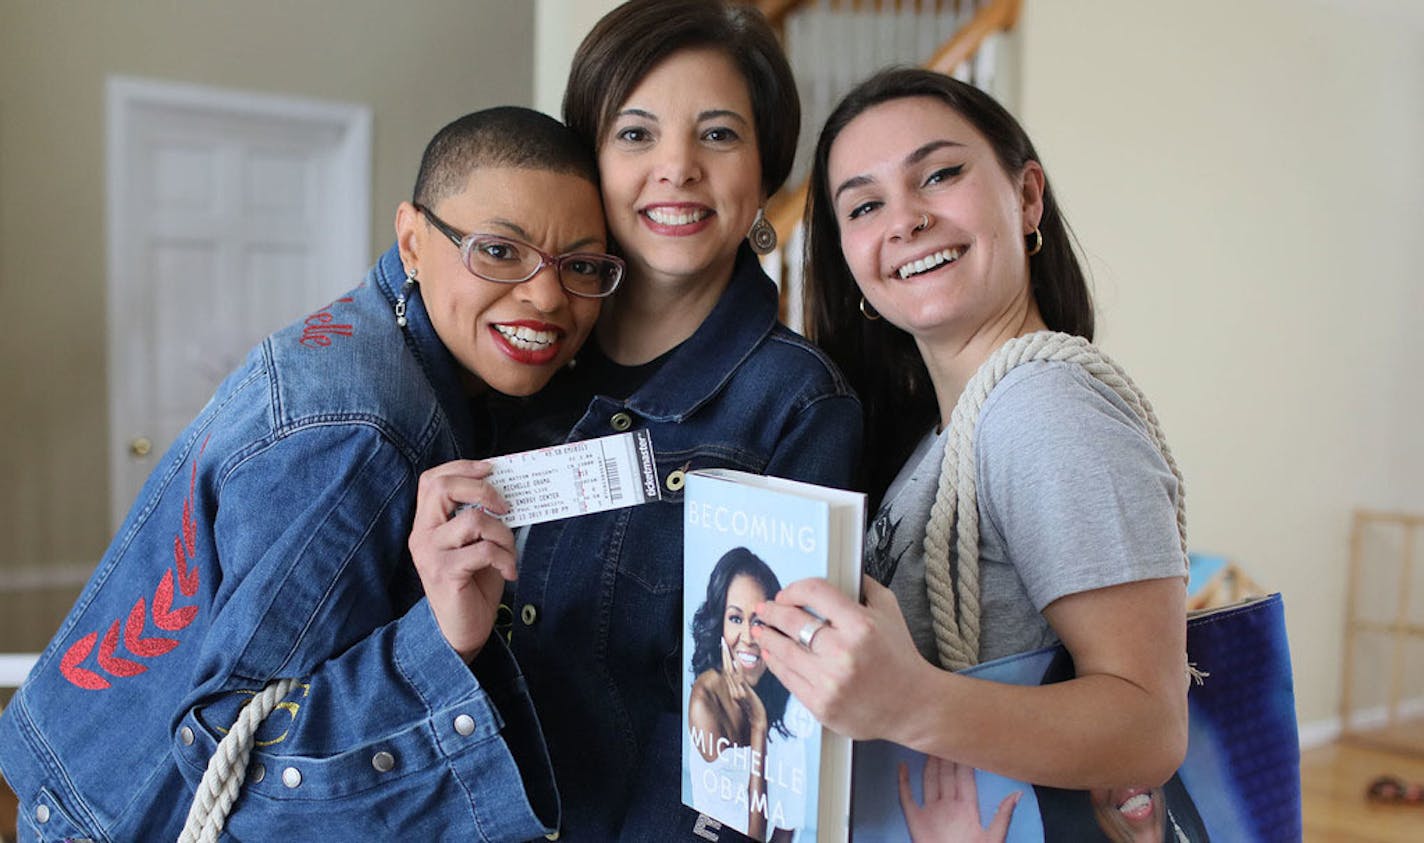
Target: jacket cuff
<point x="508" y="775"/>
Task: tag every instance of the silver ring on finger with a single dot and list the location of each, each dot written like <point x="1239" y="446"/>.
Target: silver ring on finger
<point x="807" y="635"/>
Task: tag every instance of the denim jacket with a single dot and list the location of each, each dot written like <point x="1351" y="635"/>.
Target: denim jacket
<point x="597" y="610"/>
<point x="271" y="542"/>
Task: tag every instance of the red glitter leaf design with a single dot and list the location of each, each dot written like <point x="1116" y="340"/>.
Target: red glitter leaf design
<point x="164" y="616"/>
<point x="187" y="577"/>
<point x="116" y="665"/>
<point x="185" y="547"/>
<point x="133" y="636"/>
<point x="69" y="665"/>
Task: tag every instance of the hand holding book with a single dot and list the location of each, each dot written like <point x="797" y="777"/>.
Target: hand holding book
<point x="863" y="671"/>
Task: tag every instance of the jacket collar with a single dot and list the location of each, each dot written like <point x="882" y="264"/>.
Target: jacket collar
<point x="741" y="319"/>
<point x="434" y="358"/>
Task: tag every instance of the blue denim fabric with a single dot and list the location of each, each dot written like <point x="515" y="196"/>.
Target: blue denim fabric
<point x="270" y="541"/>
<point x="597" y="610"/>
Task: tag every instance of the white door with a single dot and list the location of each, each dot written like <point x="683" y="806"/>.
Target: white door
<point x="230" y="214"/>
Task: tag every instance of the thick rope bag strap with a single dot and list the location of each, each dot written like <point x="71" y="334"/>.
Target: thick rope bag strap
<point x="954" y="589"/>
<point x="222" y="781"/>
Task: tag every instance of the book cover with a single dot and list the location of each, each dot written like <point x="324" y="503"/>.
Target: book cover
<point x="753" y="757"/>
<point x="1240" y="780"/>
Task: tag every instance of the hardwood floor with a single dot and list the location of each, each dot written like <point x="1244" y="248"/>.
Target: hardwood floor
<point x="1333" y="780"/>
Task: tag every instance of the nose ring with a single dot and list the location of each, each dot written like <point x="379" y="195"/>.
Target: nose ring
<point x="924" y="222"/>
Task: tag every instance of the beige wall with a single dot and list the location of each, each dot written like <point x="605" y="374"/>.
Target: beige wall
<point x="559" y="27"/>
<point x="416" y="65"/>
<point x="1245" y="176"/>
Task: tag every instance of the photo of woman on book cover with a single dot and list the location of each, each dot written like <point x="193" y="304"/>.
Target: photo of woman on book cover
<point x="737" y="705"/>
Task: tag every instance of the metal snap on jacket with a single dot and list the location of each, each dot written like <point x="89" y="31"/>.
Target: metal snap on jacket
<point x="185" y="735"/>
<point x="259" y="773"/>
<point x="465" y="725"/>
<point x="41" y="813"/>
<point x="384" y="762"/>
<point x="292" y="777"/>
<point x="621" y="422"/>
<point x="675" y="479"/>
<point x="529" y="614"/>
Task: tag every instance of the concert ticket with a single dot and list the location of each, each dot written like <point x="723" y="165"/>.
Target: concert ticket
<point x="577" y="478"/>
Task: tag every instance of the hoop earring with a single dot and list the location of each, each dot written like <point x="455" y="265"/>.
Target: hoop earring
<point x="868" y="311"/>
<point x="401" y="299"/>
<point x="1034" y="242"/>
<point x="762" y="235"/>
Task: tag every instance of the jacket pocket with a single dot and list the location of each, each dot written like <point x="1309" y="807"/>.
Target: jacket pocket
<point x="49" y="820"/>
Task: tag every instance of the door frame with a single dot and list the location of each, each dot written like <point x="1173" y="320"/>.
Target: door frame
<point x="127" y="99"/>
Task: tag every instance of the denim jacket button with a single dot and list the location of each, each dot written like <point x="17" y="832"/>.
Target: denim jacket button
<point x="529" y="614"/>
<point x="259" y="773"/>
<point x="185" y="735"/>
<point x="41" y="814"/>
<point x="675" y="480"/>
<point x="621" y="422"/>
<point x="292" y="777"/>
<point x="465" y="725"/>
<point x="384" y="762"/>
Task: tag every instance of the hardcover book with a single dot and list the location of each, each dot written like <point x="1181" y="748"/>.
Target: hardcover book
<point x="753" y="757"/>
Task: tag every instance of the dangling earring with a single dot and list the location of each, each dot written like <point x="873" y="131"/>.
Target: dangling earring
<point x="762" y="235"/>
<point x="400" y="300"/>
<point x="1034" y="242"/>
<point x="867" y="311"/>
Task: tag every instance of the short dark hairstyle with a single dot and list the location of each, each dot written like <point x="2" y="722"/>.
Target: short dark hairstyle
<point x="882" y="362"/>
<point x="506" y="136"/>
<point x="634" y="37"/>
<point x="707" y="627"/>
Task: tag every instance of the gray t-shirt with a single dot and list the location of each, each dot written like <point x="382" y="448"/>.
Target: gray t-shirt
<point x="1073" y="496"/>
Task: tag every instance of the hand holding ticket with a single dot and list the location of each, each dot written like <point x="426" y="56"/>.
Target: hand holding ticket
<point x="577" y="478"/>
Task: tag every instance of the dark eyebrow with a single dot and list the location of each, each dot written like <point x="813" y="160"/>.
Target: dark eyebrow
<point x="519" y="233"/>
<point x="923" y="152"/>
<point x="913" y="158"/>
<point x="637" y="112"/>
<point x="720" y="113"/>
<point x="512" y="227"/>
<point x="852" y="182"/>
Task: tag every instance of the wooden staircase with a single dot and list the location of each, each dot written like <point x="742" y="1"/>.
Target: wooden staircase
<point x="832" y="45"/>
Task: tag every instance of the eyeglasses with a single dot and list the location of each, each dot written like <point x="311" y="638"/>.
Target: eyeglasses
<point x="591" y="275"/>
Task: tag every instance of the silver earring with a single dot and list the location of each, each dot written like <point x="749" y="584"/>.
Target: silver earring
<point x="870" y="313"/>
<point x="762" y="235"/>
<point x="400" y="300"/>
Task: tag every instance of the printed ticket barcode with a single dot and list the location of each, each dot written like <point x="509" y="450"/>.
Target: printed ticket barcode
<point x="615" y="479"/>
<point x="577" y="478"/>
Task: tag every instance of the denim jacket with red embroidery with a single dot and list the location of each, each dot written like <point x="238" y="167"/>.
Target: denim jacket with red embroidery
<point x="270" y="542"/>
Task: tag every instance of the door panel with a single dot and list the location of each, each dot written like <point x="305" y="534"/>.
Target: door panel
<point x="230" y="215"/>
